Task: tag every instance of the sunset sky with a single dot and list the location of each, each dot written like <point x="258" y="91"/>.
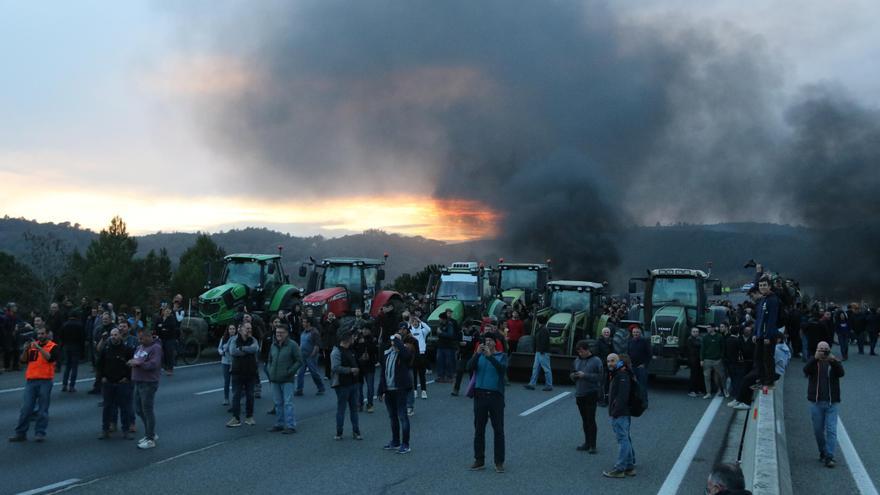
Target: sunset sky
<point x="100" y="105"/>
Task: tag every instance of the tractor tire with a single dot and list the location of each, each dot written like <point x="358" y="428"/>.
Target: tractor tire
<point x="190" y="351"/>
<point x="526" y="344"/>
<point x="620" y="340"/>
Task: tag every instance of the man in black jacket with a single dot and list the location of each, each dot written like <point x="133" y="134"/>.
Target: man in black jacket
<point x="824" y="372"/>
<point x="116" y="382"/>
<point x="618" y="409"/>
<point x="395" y="383"/>
<point x="639" y="350"/>
<point x="72" y="336"/>
<point x="697" y="385"/>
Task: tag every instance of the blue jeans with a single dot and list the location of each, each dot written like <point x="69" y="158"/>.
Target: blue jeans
<point x="36" y="393"/>
<point x="346" y="395"/>
<point x="71" y="367"/>
<point x="824" y="415"/>
<point x="312" y="367"/>
<point x="144" y="398"/>
<point x="445" y="363"/>
<point x="626" y="457"/>
<point x="226" y="379"/>
<point x="282" y="393"/>
<point x="370" y="380"/>
<point x="395" y="402"/>
<point x="117" y="397"/>
<point x="542" y="361"/>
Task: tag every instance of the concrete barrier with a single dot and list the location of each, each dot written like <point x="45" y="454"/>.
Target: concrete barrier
<point x="765" y="451"/>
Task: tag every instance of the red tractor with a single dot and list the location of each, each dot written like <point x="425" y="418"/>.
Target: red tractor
<point x="342" y="285"/>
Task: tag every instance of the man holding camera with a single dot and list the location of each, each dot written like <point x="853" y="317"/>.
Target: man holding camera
<point x="824" y="372"/>
<point x="40" y="356"/>
<point x="490" y="368"/>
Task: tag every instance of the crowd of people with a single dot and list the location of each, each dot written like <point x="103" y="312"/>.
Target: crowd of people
<point x="748" y="350"/>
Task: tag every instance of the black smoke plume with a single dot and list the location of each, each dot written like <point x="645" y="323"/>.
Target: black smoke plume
<point x="568" y="118"/>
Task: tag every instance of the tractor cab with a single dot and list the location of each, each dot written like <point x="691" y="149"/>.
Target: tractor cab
<point x="526" y="282"/>
<point x="253" y="281"/>
<point x="675" y="300"/>
<point x="574" y="311"/>
<point x="342" y="285"/>
<point x="463" y="287"/>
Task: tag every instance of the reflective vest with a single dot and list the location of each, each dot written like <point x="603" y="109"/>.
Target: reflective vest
<point x="37" y="366"/>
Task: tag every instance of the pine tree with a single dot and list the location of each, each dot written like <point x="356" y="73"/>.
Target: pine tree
<point x="191" y="275"/>
<point x="109" y="269"/>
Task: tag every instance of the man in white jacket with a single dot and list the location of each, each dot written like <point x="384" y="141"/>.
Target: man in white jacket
<point x="420" y="331"/>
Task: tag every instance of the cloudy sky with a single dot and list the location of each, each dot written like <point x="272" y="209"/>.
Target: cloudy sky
<point x="132" y="108"/>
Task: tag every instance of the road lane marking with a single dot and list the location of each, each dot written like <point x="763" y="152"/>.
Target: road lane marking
<point x="213" y="390"/>
<point x="856" y="467"/>
<point x="680" y="468"/>
<point x="544" y="404"/>
<point x="82" y="380"/>
<point x="49" y="488"/>
<point x="190" y="452"/>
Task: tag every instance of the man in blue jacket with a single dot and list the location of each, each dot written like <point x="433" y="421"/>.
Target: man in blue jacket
<point x="490" y="368"/>
<point x="766" y="331"/>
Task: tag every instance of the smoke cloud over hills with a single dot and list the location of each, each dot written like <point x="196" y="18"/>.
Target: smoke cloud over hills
<point x="569" y="119"/>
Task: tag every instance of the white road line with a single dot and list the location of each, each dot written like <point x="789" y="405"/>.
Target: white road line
<point x="544" y="404"/>
<point x="82" y="380"/>
<point x="190" y="452"/>
<point x="49" y="488"/>
<point x="680" y="468"/>
<point x="859" y="473"/>
<point x="213" y="390"/>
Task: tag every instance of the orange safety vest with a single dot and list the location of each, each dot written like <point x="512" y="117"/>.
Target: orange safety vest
<point x="37" y="366"/>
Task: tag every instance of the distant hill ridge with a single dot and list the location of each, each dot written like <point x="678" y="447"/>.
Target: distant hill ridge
<point x="727" y="245"/>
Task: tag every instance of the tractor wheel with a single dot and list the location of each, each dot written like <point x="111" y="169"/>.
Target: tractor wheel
<point x="621" y="340"/>
<point x="190" y="351"/>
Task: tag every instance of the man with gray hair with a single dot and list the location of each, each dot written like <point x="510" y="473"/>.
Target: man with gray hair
<point x="824" y="372"/>
<point x="726" y="479"/>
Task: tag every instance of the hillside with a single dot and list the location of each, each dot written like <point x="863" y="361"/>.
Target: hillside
<point x="790" y="250"/>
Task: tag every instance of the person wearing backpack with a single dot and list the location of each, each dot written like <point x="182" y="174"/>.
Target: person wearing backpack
<point x="619" y="395"/>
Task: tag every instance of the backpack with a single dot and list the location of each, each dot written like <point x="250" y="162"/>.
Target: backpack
<point x="637" y="405"/>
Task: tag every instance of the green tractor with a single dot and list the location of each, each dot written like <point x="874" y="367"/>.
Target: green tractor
<point x="675" y="300"/>
<point x="256" y="282"/>
<point x="521" y="282"/>
<point x="574" y="313"/>
<point x="465" y="288"/>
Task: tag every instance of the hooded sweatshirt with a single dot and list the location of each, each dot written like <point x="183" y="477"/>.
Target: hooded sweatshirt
<point x="149" y="359"/>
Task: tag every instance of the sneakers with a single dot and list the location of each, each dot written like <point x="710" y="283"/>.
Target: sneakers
<point x="42" y="438"/>
<point x="529" y="386"/>
<point x="225" y="402"/>
<point x="233" y="423"/>
<point x="726" y="394"/>
<point x="732" y="403"/>
<point x="692" y="394"/>
<point x="707" y="396"/>
<point x="547" y="389"/>
<point x="630" y="472"/>
<point x="370" y="408"/>
<point x="499" y="468"/>
<point x="357" y="436"/>
<point x="17" y="438"/>
<point x="275" y="429"/>
<point x="338" y="437"/>
<point x="582" y="448"/>
<point x="391" y="446"/>
<point x="829" y="462"/>
<point x="415" y="394"/>
<point x="454" y="393"/>
<point x="144" y="439"/>
<point x="614" y="473"/>
<point x="592" y="450"/>
<point x="424" y="394"/>
<point x="404" y="449"/>
<point x="410" y="411"/>
<point x="249" y="421"/>
<point x="478" y="466"/>
<point x="147" y="444"/>
<point x="741" y="406"/>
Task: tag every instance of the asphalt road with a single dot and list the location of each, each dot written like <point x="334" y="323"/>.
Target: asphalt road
<point x="196" y="453"/>
<point x="860" y="397"/>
